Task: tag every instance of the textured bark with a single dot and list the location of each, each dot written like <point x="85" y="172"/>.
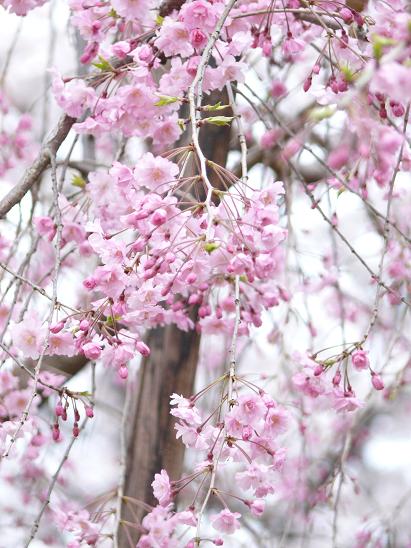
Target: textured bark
<point x="171" y="367"/>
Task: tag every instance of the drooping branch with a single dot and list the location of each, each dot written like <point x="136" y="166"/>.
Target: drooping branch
<point x="35" y="171"/>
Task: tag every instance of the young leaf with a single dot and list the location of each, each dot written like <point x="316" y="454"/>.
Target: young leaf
<point x="219" y="120"/>
<point x="166" y="100"/>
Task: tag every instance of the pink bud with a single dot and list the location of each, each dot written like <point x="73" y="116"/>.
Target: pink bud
<point x="76" y="430"/>
<point x="84" y="325"/>
<point x="123" y="372"/>
<point x="139" y="245"/>
<point x="89" y="411"/>
<point x="142" y="348"/>
<point x="267" y="47"/>
<point x="56" y="432"/>
<point x="360" y="360"/>
<point x="194" y="299"/>
<point x="257" y="507"/>
<point x="149" y="263"/>
<point x="38" y="440"/>
<point x="334" y="86"/>
<point x="318" y="370"/>
<point x="307" y="83"/>
<point x="398" y="110"/>
<point x="56" y="327"/>
<point x="377" y="381"/>
<point x="246" y="433"/>
<point x="218" y="542"/>
<point x="347" y="15"/>
<point x="90" y="283"/>
<point x="197" y="38"/>
<point x="166" y="290"/>
<point x="278" y="89"/>
<point x="337" y="378"/>
<point x="59" y="409"/>
<point x="342" y="85"/>
<point x="25" y="122"/>
<point x="191" y="278"/>
<point x="159" y="217"/>
<point x="170" y="257"/>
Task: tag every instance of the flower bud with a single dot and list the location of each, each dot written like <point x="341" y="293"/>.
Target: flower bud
<point x="123" y="372"/>
<point x="377" y="381"/>
<point x="84" y="325"/>
<point x="56" y="327"/>
<point x="159" y="217"/>
<point x="142" y="348"/>
<point x="337" y="378"/>
<point x="89" y="411"/>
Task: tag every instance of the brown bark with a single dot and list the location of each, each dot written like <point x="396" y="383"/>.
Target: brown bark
<point x="170" y="368"/>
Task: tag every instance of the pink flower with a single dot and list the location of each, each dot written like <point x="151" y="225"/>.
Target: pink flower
<point x="308" y="382"/>
<point x="250" y="410"/>
<point x="197" y="38"/>
<point x="7" y="381"/>
<point x="276" y="421"/>
<point x="16" y="401"/>
<point x="130" y="9"/>
<point x="199" y="14"/>
<point x="257" y="507"/>
<point x="73" y="96"/>
<point x="61" y="343"/>
<point x="360" y="360"/>
<point x="345" y="401"/>
<point x="226" y="521"/>
<point x="393" y="79"/>
<point x="28" y="337"/>
<point x="292" y="47"/>
<point x="155" y="172"/>
<point x="162" y="488"/>
<point x="45" y="227"/>
<point x="174" y="39"/>
<point x="91" y="350"/>
<point x="111" y="280"/>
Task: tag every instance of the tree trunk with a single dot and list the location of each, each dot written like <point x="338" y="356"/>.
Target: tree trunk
<point x="170" y="368"/>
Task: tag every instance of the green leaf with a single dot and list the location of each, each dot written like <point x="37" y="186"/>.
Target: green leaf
<point x="103" y="65"/>
<point x="217" y="106"/>
<point x="379" y="43"/>
<point x="110" y="320"/>
<point x="159" y="20"/>
<point x="78" y="181"/>
<point x="219" y="120"/>
<point x="166" y="100"/>
<point x="321" y="113"/>
<point x="211" y="246"/>
<point x="348" y="73"/>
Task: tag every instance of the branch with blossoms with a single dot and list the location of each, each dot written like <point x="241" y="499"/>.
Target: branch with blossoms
<point x="262" y="256"/>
